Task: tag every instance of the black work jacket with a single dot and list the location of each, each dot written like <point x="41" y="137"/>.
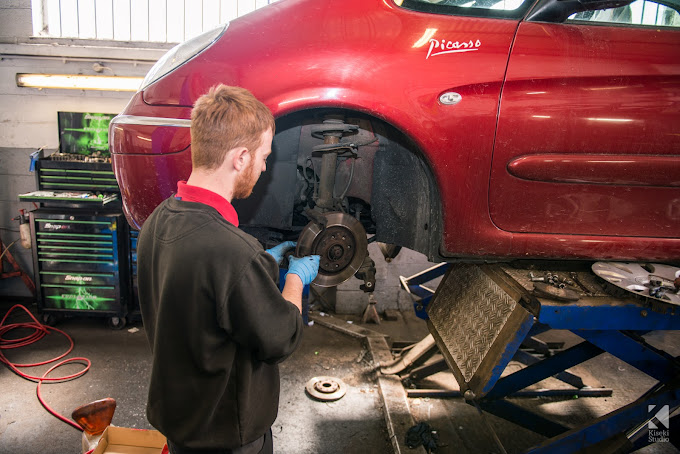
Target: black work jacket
<point x="217" y="325"/>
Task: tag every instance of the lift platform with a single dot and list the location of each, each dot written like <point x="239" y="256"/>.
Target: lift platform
<point x="483" y="316"/>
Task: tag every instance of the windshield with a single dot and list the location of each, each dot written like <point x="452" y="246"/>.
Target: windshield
<point x="511" y="9"/>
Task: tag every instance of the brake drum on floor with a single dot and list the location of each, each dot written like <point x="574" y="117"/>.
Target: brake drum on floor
<point x="326" y="389"/>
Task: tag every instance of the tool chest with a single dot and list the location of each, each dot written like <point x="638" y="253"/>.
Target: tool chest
<point x="81" y="263"/>
<point x="81" y="241"/>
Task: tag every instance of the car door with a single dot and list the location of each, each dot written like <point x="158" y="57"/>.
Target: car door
<point x="588" y="137"/>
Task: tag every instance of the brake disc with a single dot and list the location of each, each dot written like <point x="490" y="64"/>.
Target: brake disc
<point x="326" y="388"/>
<point x="648" y="280"/>
<point x="341" y="244"/>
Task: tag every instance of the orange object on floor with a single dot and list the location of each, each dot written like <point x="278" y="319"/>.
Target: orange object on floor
<point x="95" y="416"/>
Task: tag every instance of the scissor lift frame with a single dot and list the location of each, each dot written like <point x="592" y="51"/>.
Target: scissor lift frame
<point x="502" y="314"/>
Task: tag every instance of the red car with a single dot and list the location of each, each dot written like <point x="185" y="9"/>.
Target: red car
<point x="458" y="128"/>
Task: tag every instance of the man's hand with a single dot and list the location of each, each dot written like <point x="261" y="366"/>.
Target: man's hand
<point x="278" y="251"/>
<point x="306" y="268"/>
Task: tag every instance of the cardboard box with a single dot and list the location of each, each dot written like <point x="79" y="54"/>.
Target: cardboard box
<point x="122" y="440"/>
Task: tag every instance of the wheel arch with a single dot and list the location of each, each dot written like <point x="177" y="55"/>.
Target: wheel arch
<point x="409" y="218"/>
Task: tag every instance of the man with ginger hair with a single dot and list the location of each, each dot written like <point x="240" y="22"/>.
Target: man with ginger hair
<point x="215" y="319"/>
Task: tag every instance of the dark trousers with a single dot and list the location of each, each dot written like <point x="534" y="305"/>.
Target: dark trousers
<point x="263" y="445"/>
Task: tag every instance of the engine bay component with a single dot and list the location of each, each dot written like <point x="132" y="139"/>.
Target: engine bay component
<point x="326" y="388"/>
<point x="340" y="240"/>
<point x="650" y="280"/>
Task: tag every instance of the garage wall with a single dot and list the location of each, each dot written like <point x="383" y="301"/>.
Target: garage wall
<point x="15" y="18"/>
<point x="28" y="117"/>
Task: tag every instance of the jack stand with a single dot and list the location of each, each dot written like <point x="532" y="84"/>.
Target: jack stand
<point x="371" y="312"/>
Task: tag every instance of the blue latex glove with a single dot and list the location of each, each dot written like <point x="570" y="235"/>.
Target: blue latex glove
<point x="278" y="251"/>
<point x="306" y="268"/>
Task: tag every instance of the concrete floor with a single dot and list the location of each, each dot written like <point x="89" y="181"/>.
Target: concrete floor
<point x="354" y="424"/>
<point x="121" y="363"/>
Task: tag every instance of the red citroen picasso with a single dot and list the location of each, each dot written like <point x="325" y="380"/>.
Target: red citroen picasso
<point x="463" y="129"/>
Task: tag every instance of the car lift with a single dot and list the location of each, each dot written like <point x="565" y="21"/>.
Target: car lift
<point x="481" y="315"/>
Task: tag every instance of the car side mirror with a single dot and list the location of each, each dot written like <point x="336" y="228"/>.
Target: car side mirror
<point x="559" y="10"/>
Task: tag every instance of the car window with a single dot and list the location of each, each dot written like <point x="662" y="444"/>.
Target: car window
<point x="481" y="8"/>
<point x="640" y="12"/>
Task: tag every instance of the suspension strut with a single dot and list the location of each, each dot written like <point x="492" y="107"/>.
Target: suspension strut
<point x="337" y="237"/>
<point x="331" y="131"/>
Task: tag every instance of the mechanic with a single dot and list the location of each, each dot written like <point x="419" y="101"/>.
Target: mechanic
<point x="214" y="316"/>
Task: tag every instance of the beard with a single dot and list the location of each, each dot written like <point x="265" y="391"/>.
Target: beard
<point x="245" y="182"/>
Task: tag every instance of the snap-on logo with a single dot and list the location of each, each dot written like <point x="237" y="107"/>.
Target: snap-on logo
<point x="441" y="47"/>
<point x="51" y="226"/>
<point x="78" y="278"/>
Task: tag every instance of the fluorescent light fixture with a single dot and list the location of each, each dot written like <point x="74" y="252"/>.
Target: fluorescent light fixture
<point x="79" y="82"/>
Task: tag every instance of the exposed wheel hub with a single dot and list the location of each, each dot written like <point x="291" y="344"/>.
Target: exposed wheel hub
<point x="341" y="244"/>
<point x="336" y="246"/>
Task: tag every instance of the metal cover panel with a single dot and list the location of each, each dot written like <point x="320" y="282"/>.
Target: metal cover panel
<point x="478" y="326"/>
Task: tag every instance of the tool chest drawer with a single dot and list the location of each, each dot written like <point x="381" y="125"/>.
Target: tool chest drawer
<point x="100" y="179"/>
<point x="66" y="278"/>
<point x="80" y="297"/>
<point x="76" y="242"/>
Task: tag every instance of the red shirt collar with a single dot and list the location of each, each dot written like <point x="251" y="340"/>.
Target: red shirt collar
<point x="190" y="193"/>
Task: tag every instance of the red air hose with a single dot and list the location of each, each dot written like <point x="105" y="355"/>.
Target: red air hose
<point x="39" y="331"/>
